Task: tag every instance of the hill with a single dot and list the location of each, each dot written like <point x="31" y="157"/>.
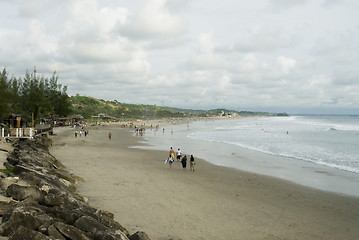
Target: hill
<point x="89" y="107"/>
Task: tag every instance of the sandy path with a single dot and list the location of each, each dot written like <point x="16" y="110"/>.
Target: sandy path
<point x="211" y="203"/>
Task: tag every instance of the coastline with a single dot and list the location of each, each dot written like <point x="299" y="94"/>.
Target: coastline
<point x="218" y="153"/>
<point x="213" y="202"/>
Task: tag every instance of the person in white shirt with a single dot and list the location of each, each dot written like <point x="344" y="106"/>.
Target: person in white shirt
<point x="178" y="155"/>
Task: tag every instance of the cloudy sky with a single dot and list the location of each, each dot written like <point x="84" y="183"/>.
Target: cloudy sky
<point x="295" y="56"/>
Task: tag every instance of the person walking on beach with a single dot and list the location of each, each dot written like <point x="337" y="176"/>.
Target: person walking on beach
<point x="170" y="161"/>
<point x="109" y="135"/>
<point x="184" y="162"/>
<point x="192" y="163"/>
<point x="172" y="153"/>
<point x="178" y="155"/>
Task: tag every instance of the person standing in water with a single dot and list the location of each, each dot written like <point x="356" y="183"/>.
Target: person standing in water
<point x="109" y="135"/>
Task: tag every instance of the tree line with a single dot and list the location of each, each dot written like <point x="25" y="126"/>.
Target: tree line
<point x="33" y="95"/>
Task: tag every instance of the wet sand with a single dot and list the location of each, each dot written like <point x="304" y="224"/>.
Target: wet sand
<point x="212" y="202"/>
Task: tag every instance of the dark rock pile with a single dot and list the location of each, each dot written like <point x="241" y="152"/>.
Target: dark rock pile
<point x="38" y="200"/>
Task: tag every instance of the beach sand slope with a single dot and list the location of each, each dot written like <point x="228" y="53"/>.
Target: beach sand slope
<point x="210" y="203"/>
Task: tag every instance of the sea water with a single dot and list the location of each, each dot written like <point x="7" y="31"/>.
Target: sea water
<point x="316" y="151"/>
<point x="332" y="141"/>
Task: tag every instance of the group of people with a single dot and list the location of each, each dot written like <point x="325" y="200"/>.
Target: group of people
<point x="178" y="154"/>
<point x="83" y="131"/>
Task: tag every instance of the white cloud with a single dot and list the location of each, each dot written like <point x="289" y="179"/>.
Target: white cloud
<point x="40" y="40"/>
<point x="286" y="64"/>
<point x="286" y="4"/>
<point x="195" y="54"/>
<point x="153" y="20"/>
<point x="206" y="43"/>
<point x="204" y="57"/>
<point x="332" y="2"/>
<point x="177" y="5"/>
<point x="263" y="38"/>
<point x="250" y="63"/>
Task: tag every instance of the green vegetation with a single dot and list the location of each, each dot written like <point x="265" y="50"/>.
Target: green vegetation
<point x="7" y="170"/>
<point x="89" y="107"/>
<point x="32" y="95"/>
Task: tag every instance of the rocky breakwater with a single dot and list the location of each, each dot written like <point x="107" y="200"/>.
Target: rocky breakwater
<point x="38" y="200"/>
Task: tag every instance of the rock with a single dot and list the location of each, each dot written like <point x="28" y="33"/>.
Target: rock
<point x="54" y="233"/>
<point x="39" y="178"/>
<point x="110" y="236"/>
<point x="65" y="175"/>
<point x="58" y="165"/>
<point x="105" y="214"/>
<point x="8" y="165"/>
<point x="121" y="235"/>
<point x="51" y="200"/>
<point x="13" y="160"/>
<point x="20" y="193"/>
<point x="64" y="214"/>
<point x="139" y="236"/>
<point x="23" y="233"/>
<point x="7" y="181"/>
<point x="44" y="142"/>
<point x="23" y="216"/>
<point x="5" y="207"/>
<point x="89" y="224"/>
<point x="70" y="232"/>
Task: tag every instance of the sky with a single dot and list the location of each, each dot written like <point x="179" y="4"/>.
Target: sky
<point x="294" y="56"/>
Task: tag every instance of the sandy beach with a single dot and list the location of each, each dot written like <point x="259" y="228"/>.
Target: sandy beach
<point x="210" y="203"/>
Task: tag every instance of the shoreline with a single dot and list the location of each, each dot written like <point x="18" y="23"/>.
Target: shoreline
<point x="211" y="203"/>
<point x="298" y="171"/>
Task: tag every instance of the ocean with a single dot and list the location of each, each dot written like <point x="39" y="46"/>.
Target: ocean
<point x="316" y="151"/>
<point x="332" y="141"/>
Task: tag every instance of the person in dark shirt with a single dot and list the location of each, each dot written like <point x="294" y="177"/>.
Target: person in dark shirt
<point x="192" y="163"/>
<point x="184" y="162"/>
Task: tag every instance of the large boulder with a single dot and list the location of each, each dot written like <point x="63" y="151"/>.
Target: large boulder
<point x="66" y="175"/>
<point x="6" y="206"/>
<point x="89" y="224"/>
<point x="40" y="178"/>
<point x="54" y="233"/>
<point x="23" y="233"/>
<point x="64" y="214"/>
<point x="29" y="217"/>
<point x="20" y="193"/>
<point x="70" y="232"/>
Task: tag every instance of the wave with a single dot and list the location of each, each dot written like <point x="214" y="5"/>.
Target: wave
<point x="294" y="121"/>
<point x="330" y="123"/>
<point x="287" y="155"/>
<point x="348" y="128"/>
